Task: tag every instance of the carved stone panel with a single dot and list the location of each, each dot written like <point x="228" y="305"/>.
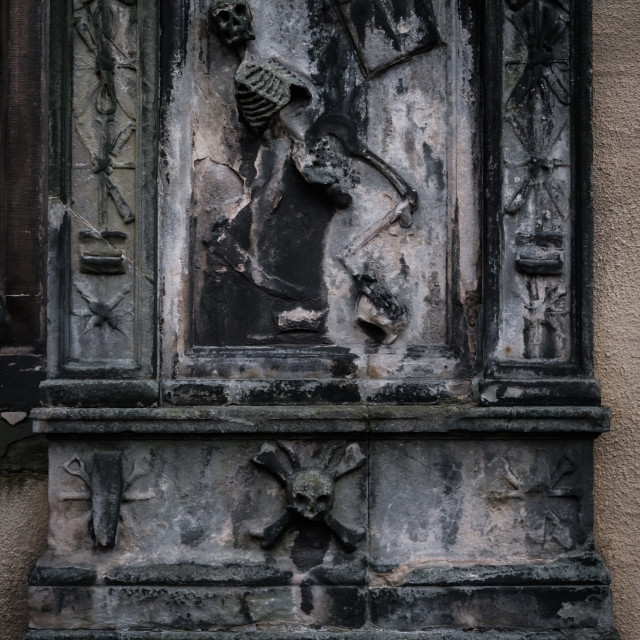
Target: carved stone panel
<point x="322" y="197"/>
<point x="502" y="501"/>
<point x="537" y="276"/>
<point x="103" y="209"/>
<point x="538" y="214"/>
<point x="307" y="531"/>
<point x="370" y="227"/>
<point x="293" y="509"/>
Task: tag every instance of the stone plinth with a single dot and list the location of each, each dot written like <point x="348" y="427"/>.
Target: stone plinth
<point x="440" y="518"/>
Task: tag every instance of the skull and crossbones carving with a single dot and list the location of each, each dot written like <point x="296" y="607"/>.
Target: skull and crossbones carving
<point x="310" y="491"/>
<point x="233" y="21"/>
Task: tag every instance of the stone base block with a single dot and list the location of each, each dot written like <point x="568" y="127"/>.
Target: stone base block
<point x="301" y="607"/>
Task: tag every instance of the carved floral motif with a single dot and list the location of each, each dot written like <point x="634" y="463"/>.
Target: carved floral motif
<point x="104" y="313"/>
<point x="104" y="122"/>
<point x="550" y="503"/>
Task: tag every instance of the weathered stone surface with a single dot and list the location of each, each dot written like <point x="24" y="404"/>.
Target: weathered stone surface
<point x="257" y="574"/>
<point x="369" y="634"/>
<point x="413" y="608"/>
<point x="205" y="503"/>
<point x="532" y="392"/>
<point x="580" y="569"/>
<point x="342" y="433"/>
<point x="101" y="268"/>
<point x="324" y="217"/>
<point x="536" y="321"/>
<point x="159" y="608"/>
<point x="97" y="393"/>
<point x="498" y="500"/>
<point x="453" y="529"/>
<point x="324" y="419"/>
<point x="405" y="609"/>
<point x="59" y="576"/>
<point x="572" y="569"/>
<point x="538" y="192"/>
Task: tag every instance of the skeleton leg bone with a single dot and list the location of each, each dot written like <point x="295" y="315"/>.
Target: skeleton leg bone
<point x="269" y="459"/>
<point x="348" y="537"/>
<point x="271" y="533"/>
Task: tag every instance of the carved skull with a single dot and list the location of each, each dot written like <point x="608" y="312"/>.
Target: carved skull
<point x="310" y="494"/>
<point x="378" y="312"/>
<point x="376" y="323"/>
<point x="233" y="21"/>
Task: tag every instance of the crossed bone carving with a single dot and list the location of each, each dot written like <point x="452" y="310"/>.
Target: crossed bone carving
<point x="310" y="491"/>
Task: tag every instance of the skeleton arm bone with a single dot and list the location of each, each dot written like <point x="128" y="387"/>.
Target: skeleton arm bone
<point x="348" y="258"/>
<point x="399" y="184"/>
<point x="401" y="213"/>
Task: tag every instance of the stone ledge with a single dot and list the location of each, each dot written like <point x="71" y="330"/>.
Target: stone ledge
<point x="443" y="418"/>
<point x="96" y="393"/>
<point x="312" y="634"/>
<point x="586" y="569"/>
<point x="539" y="392"/>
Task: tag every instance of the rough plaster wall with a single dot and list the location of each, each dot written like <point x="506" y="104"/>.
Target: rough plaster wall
<point x="617" y="297"/>
<point x="23" y="537"/>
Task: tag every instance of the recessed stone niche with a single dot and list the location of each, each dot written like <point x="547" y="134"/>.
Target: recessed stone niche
<point x="319" y="308"/>
<point x="322" y="219"/>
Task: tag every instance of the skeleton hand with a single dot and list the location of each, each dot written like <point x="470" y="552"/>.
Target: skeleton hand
<point x="404" y="213"/>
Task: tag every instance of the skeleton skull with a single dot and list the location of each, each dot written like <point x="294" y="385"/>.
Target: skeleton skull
<point x="233" y="21"/>
<point x="376" y="323"/>
<point x="310" y="494"/>
<point x="378" y="312"/>
<point x="310" y="491"/>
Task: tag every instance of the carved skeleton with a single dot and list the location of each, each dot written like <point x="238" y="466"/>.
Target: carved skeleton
<point x="310" y="491"/>
<point x="233" y="21"/>
<point x="378" y="311"/>
<point x="264" y="88"/>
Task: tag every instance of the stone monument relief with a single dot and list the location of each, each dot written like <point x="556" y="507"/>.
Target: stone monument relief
<point x="319" y="315"/>
<point x="323" y="209"/>
<point x="537" y="159"/>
